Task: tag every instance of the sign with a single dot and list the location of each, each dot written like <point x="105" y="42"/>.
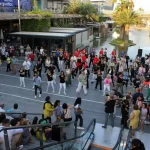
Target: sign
<point x="7" y="3"/>
<point x="25" y="5"/>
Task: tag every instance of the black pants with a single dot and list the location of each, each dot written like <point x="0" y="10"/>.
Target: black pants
<point x="100" y="84"/>
<point x="81" y="120"/>
<point x="56" y="64"/>
<point x="37" y="87"/>
<point x="112" y="78"/>
<point x="67" y="120"/>
<point x="39" y="73"/>
<point x="8" y="67"/>
<point x="27" y="73"/>
<point x="124" y="119"/>
<point x="87" y="86"/>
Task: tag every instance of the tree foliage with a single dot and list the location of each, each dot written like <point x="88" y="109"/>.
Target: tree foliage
<point x="125" y="16"/>
<point x="86" y="9"/>
<point x="36" y="25"/>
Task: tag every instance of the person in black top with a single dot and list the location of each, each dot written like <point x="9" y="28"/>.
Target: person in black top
<point x="61" y="58"/>
<point x="95" y="69"/>
<point x="49" y="76"/>
<point x="87" y="72"/>
<point x="22" y="74"/>
<point x="119" y="83"/>
<point x="55" y="60"/>
<point x="131" y="73"/>
<point x="102" y="68"/>
<point x="125" y="112"/>
<point x="137" y="144"/>
<point x="109" y="110"/>
<point x="99" y="80"/>
<point x="136" y="82"/>
<point x="62" y="79"/>
<point x="39" y="67"/>
<point x="91" y="59"/>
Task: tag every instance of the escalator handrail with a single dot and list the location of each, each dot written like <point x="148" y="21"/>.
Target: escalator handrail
<point x="119" y="138"/>
<point x="75" y="138"/>
<point x="128" y="139"/>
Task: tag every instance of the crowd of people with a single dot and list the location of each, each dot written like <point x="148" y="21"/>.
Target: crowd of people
<point x="115" y="76"/>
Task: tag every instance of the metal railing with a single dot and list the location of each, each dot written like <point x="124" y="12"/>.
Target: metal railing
<point x="40" y="127"/>
<point x="119" y="139"/>
<point x="127" y="147"/>
<point x="93" y="122"/>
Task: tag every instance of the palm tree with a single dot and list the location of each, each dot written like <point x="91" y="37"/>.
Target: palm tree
<point x="124" y="16"/>
<point x="88" y="12"/>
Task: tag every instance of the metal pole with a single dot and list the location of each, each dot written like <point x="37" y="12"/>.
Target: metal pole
<point x="19" y="15"/>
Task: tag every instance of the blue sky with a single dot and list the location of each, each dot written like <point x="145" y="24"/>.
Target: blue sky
<point x="142" y="4"/>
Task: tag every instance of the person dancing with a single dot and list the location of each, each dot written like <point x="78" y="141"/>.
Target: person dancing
<point x="82" y="82"/>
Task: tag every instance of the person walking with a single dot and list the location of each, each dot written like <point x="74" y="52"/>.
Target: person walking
<point x="47" y="63"/>
<point x="68" y="76"/>
<point x="8" y="61"/>
<point x="143" y="116"/>
<point x="22" y="74"/>
<point x="78" y="112"/>
<point x="82" y="83"/>
<point x="107" y="84"/>
<point x="134" y="119"/>
<point x="50" y="81"/>
<point x="37" y="84"/>
<point x="62" y="80"/>
<point x="14" y="64"/>
<point x="48" y="109"/>
<point x="99" y="80"/>
<point x="57" y="110"/>
<point x="26" y="65"/>
<point x="109" y="110"/>
<point x="125" y="112"/>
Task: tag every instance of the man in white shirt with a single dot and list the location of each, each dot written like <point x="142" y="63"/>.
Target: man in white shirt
<point x="26" y="64"/>
<point x="11" y="133"/>
<point x="41" y="51"/>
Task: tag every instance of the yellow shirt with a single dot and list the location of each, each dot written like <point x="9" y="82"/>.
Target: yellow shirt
<point x="48" y="111"/>
<point x="8" y="60"/>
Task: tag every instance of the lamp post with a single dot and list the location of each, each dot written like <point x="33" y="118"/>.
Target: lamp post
<point x="19" y="15"/>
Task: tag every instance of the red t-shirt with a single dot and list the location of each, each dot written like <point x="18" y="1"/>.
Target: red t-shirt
<point x="31" y="56"/>
<point x="83" y="51"/>
<point x="83" y="58"/>
<point x="95" y="60"/>
<point x="113" y="53"/>
<point x="85" y="65"/>
<point x="77" y="53"/>
<point x="101" y="52"/>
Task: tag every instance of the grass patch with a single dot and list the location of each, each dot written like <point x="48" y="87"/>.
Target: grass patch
<point x="121" y="43"/>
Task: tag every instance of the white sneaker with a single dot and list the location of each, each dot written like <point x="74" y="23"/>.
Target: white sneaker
<point x="34" y="96"/>
<point x="24" y="86"/>
<point x="20" y="147"/>
<point x="59" y="93"/>
<point x="39" y="95"/>
<point x="64" y="93"/>
<point x="33" y="87"/>
<point x="53" y="91"/>
<point x="80" y="128"/>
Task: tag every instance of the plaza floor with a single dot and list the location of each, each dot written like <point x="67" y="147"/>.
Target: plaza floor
<point x="92" y="104"/>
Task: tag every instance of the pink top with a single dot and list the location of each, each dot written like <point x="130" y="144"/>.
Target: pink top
<point x="141" y="70"/>
<point x="107" y="81"/>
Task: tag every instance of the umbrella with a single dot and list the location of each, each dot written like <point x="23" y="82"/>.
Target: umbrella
<point x="1" y="35"/>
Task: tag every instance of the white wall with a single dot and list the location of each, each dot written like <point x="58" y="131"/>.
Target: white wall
<point x="78" y="38"/>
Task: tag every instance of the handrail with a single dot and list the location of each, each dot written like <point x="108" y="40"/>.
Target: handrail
<point x="48" y="145"/>
<point x="128" y="139"/>
<point x="119" y="138"/>
<point x="21" y="113"/>
<point x="37" y="125"/>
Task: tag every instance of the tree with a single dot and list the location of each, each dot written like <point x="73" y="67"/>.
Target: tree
<point x="86" y="9"/>
<point x="125" y="16"/>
